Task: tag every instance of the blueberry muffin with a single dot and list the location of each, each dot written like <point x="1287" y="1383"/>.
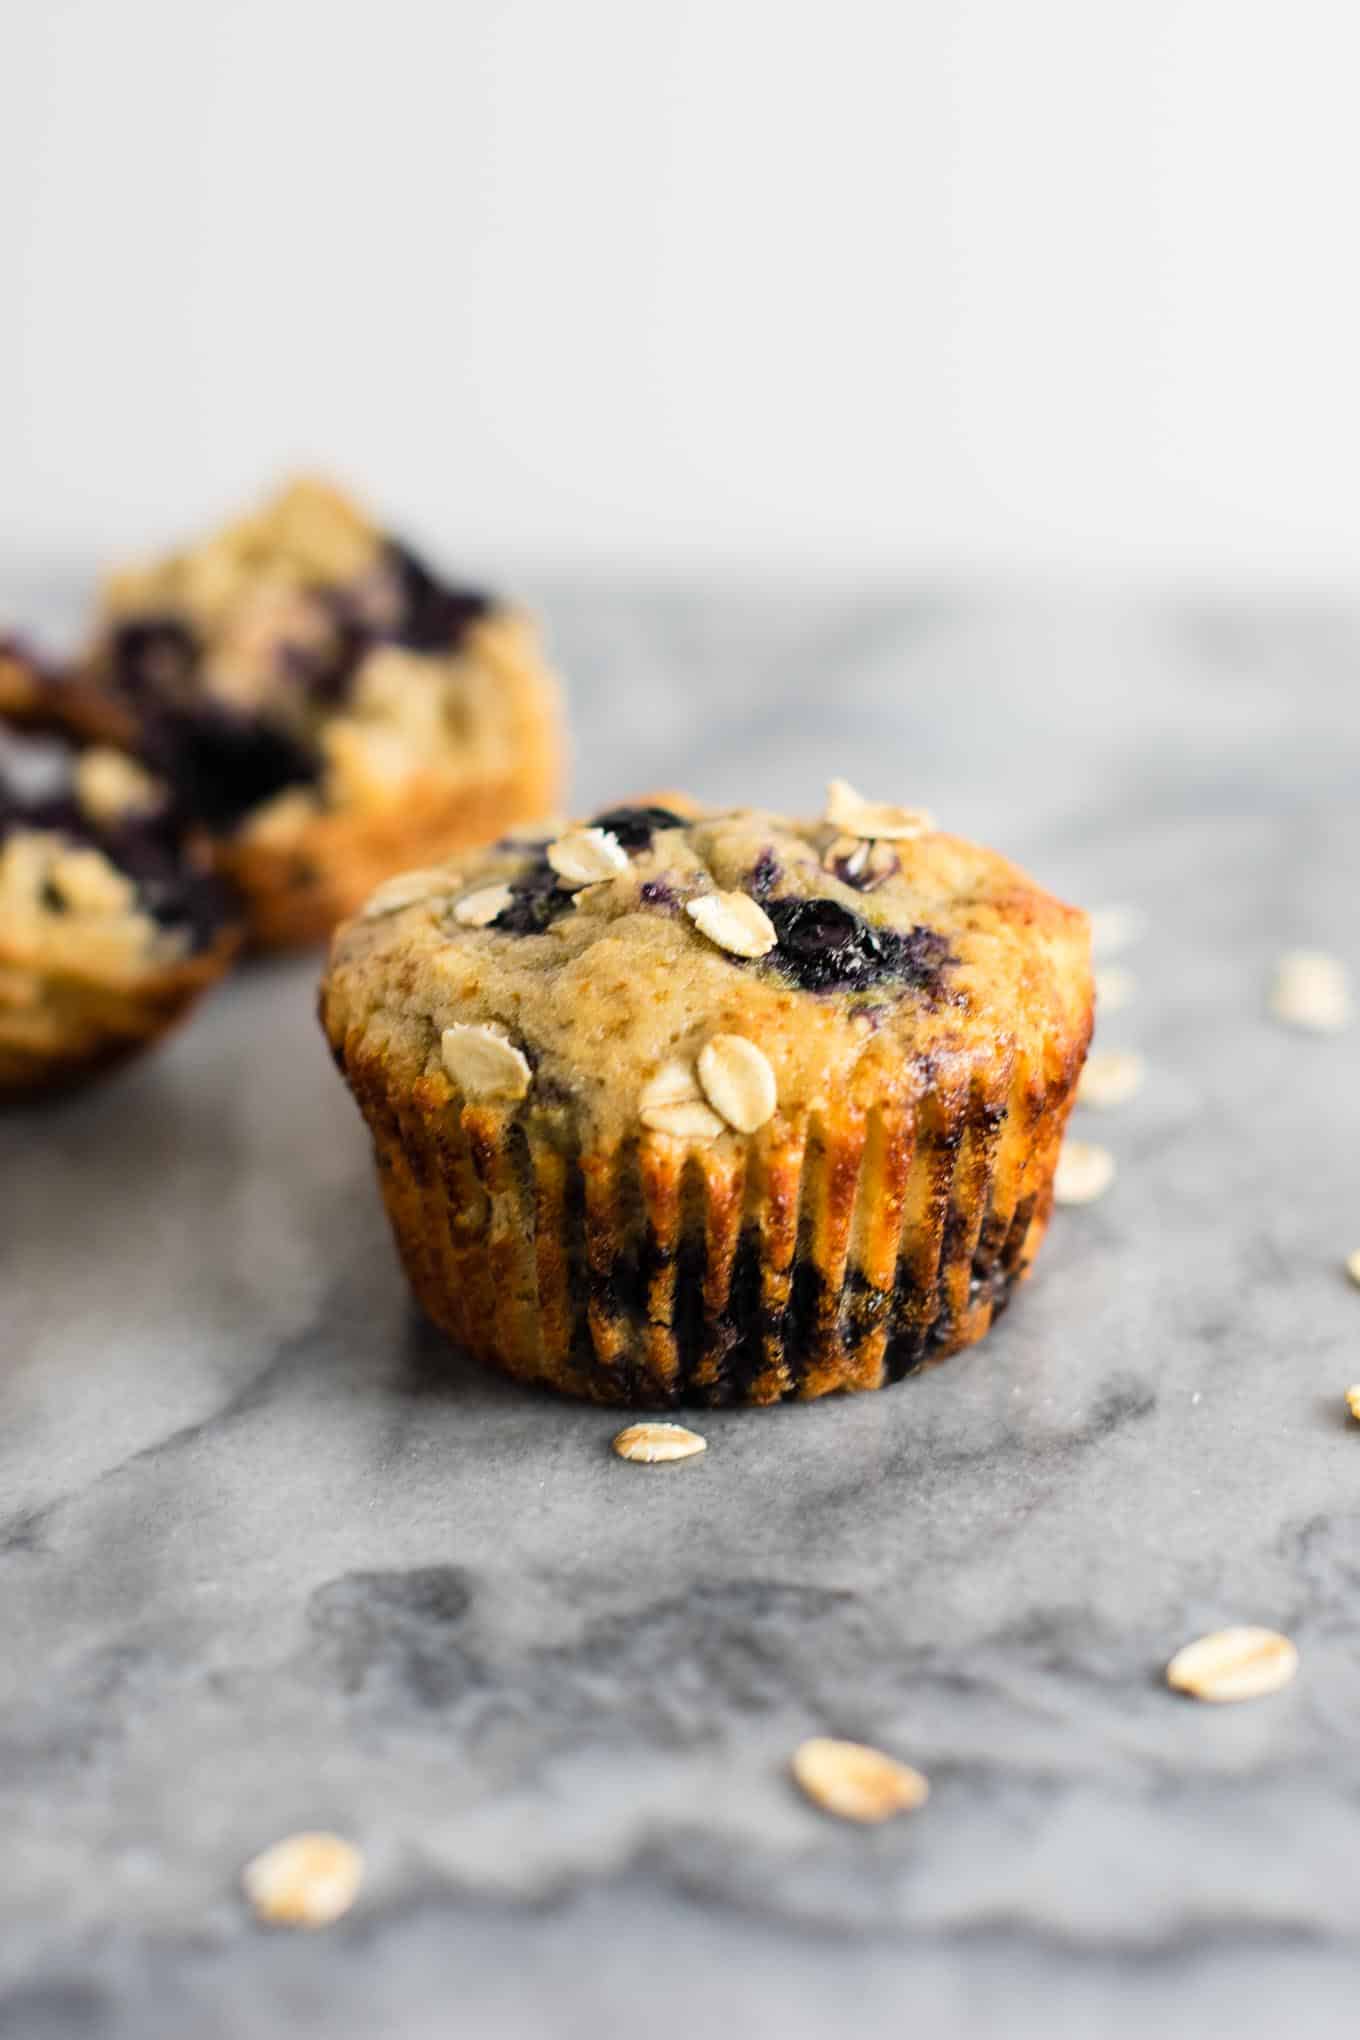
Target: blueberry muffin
<point x="331" y="708"/>
<point x="715" y="1107"/>
<point x="112" y="920"/>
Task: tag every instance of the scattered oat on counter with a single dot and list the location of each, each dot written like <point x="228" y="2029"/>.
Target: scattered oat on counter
<point x="1084" y="1173"/>
<point x="306" y="1880"/>
<point x="1311" y="990"/>
<point x="1233" y="1664"/>
<point x="1111" y="1077"/>
<point x="856" y="1782"/>
<point x="655" y="1444"/>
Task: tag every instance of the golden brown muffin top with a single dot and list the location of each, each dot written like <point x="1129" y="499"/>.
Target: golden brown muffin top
<point x="605" y="972"/>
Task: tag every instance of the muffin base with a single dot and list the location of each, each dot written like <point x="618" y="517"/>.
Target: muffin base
<point x="60" y="1028"/>
<point x="840" y="1253"/>
<point x="296" y="888"/>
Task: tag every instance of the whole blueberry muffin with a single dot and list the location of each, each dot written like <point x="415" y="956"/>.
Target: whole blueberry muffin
<point x="112" y="919"/>
<point x="331" y="708"/>
<point x="715" y="1107"/>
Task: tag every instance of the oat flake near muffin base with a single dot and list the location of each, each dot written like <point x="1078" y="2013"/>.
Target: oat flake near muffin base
<point x="924" y="1038"/>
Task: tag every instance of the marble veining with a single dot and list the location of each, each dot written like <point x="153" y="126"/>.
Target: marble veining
<point x="270" y="1557"/>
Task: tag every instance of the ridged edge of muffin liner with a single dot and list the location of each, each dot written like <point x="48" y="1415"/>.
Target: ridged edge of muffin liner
<point x="840" y="1250"/>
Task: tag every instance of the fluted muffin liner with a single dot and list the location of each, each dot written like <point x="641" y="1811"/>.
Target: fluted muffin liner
<point x="841" y="1249"/>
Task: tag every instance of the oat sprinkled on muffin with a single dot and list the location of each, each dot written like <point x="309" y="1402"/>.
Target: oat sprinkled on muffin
<point x="711" y="1109"/>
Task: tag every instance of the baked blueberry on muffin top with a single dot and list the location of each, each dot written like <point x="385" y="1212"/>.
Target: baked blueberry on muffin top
<point x="718" y="1106"/>
<point x="111" y="917"/>
<point x="328" y="705"/>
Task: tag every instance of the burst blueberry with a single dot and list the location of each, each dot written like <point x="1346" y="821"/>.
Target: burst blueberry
<point x="765" y="875"/>
<point x="435" y="616"/>
<point x="823" y="947"/>
<point x="537" y="900"/>
<point x="634" y="827"/>
<point x="223" y="764"/>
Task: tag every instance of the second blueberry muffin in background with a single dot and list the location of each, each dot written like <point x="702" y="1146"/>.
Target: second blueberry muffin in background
<point x="112" y="921"/>
<point x="717" y="1107"/>
<point x="327" y="705"/>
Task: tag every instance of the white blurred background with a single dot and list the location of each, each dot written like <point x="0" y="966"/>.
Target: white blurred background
<point x="929" y="286"/>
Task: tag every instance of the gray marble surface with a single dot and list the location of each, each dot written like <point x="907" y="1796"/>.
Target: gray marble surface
<point x="270" y="1558"/>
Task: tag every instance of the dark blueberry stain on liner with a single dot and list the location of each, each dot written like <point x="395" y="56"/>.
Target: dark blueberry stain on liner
<point x="729" y="1349"/>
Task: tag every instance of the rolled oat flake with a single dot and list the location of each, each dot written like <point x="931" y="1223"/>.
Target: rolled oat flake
<point x="1233" y="1664"/>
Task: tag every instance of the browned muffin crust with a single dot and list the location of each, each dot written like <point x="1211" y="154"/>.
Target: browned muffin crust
<point x="591" y="1188"/>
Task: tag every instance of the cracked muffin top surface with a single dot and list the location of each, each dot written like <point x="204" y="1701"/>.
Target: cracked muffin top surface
<point x="865" y="957"/>
<point x="301" y="653"/>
